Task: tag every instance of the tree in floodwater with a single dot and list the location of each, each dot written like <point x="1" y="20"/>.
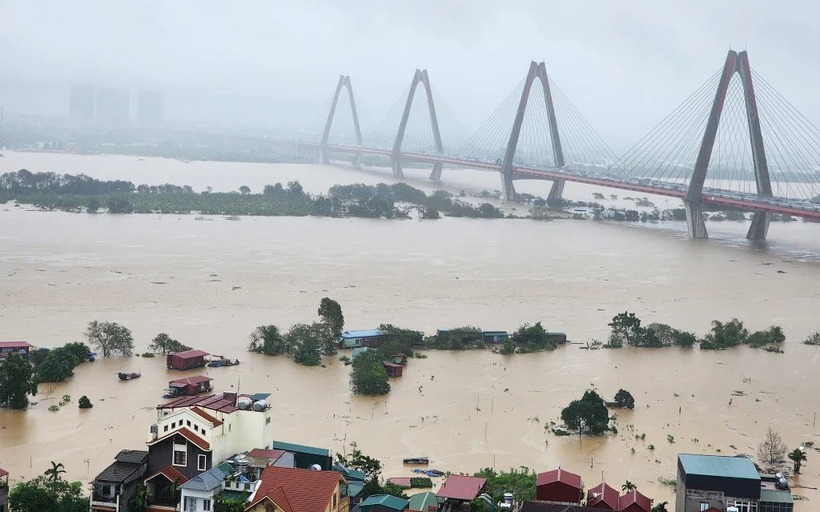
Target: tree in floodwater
<point x="772" y="448"/>
<point x="164" y="344"/>
<point x="110" y="337"/>
<point x="797" y="456"/>
<point x="16" y="382"/>
<point x="589" y="414"/>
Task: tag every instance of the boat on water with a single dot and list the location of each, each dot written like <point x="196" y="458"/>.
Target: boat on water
<point x="417" y="460"/>
<point x="129" y="375"/>
<point x="217" y="363"/>
<point x="429" y="472"/>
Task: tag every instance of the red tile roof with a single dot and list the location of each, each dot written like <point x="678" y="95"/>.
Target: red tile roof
<point x="196" y="379"/>
<point x="207" y="417"/>
<point x="460" y="487"/>
<point x="187" y="434"/>
<point x="171" y="473"/>
<point x="297" y="490"/>
<point x="559" y="475"/>
<point x="212" y="402"/>
<point x="191" y="354"/>
<point x="15" y="344"/>
<point x="3" y="472"/>
<point x="402" y="481"/>
<point x="602" y="493"/>
<point x="266" y="454"/>
<point x="634" y="497"/>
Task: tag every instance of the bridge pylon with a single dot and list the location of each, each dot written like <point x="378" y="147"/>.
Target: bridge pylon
<point x="537" y="70"/>
<point x="344" y="82"/>
<point x="420" y="77"/>
<point x="693" y="203"/>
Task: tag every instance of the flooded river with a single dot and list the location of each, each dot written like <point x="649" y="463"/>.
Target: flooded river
<point x="209" y="282"/>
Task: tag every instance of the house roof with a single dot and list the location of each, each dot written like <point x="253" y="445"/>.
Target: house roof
<point x="460" y="487"/>
<point x="300" y="448"/>
<point x="209" y="480"/>
<point x="132" y="456"/>
<point x="196" y="379"/>
<point x="386" y="501"/>
<point x="3" y="472"/>
<point x="718" y="465"/>
<point x="171" y="473"/>
<point x="423" y="501"/>
<point x="190" y="354"/>
<point x="268" y="455"/>
<point x="367" y="333"/>
<point x="187" y="434"/>
<point x="207" y="417"/>
<point x="559" y="475"/>
<point x="602" y="493"/>
<point x="775" y="496"/>
<point x="15" y="344"/>
<point x="548" y="506"/>
<point x="119" y="472"/>
<point x="401" y="481"/>
<point x="634" y="496"/>
<point x="212" y="402"/>
<point x="296" y="490"/>
<point x="350" y="474"/>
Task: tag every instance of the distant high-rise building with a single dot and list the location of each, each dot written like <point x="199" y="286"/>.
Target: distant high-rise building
<point x="81" y="102"/>
<point x="113" y="105"/>
<point x="150" y="107"/>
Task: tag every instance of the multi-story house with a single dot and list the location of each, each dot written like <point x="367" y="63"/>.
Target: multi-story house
<point x="194" y="434"/>
<point x="115" y="489"/>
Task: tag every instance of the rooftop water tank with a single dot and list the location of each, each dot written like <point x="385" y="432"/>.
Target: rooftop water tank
<point x="244" y="403"/>
<point x="260" y="405"/>
<point x="315" y="467"/>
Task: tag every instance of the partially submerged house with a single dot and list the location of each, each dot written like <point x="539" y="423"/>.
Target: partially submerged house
<point x="494" y="336"/>
<point x="393" y="369"/>
<point x="458" y="490"/>
<point x="299" y="490"/>
<point x="186" y="360"/>
<point x="115" y="488"/>
<point x="188" y="386"/>
<point x="20" y="348"/>
<point x="363" y="338"/>
<point x="558" y="486"/>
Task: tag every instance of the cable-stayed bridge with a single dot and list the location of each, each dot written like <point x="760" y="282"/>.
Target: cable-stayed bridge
<point x="735" y="143"/>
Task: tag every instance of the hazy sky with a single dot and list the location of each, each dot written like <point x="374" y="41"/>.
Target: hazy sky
<point x="624" y="65"/>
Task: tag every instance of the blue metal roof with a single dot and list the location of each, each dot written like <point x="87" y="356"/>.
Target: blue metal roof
<point x="368" y="333"/>
<point x="718" y="465"/>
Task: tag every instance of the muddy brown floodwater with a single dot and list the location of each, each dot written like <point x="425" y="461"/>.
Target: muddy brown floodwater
<point x="210" y="282"/>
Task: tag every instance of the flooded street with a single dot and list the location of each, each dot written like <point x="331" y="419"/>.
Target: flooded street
<point x="210" y="282"/>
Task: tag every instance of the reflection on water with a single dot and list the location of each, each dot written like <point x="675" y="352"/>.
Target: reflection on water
<point x="209" y="284"/>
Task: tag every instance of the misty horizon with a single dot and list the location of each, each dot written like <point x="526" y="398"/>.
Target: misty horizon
<point x="275" y="66"/>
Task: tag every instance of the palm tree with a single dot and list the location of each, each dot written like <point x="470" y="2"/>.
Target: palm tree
<point x="797" y="456"/>
<point x="660" y="507"/>
<point x="628" y="486"/>
<point x="141" y="498"/>
<point x="54" y="472"/>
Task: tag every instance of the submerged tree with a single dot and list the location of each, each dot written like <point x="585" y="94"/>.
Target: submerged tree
<point x="331" y="315"/>
<point x="266" y="339"/>
<point x="369" y="376"/>
<point x="797" y="456"/>
<point x="110" y="337"/>
<point x="624" y="399"/>
<point x="16" y="382"/>
<point x="772" y="448"/>
<point x="589" y="414"/>
<point x="307" y="342"/>
<point x="164" y="344"/>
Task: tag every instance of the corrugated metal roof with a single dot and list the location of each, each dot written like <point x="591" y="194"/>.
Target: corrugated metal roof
<point x="422" y="501"/>
<point x="292" y="447"/>
<point x="213" y="402"/>
<point x="190" y="354"/>
<point x="635" y="497"/>
<point x="15" y="344"/>
<point x="209" y="480"/>
<point x="718" y="465"/>
<point x="384" y="500"/>
<point x="3" y="472"/>
<point x="196" y="379"/>
<point x="401" y="481"/>
<point x="559" y="475"/>
<point x="460" y="487"/>
<point x="776" y="496"/>
<point x="603" y="493"/>
<point x="367" y="333"/>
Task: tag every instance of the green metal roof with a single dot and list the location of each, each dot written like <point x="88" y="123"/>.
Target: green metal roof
<point x="384" y="500"/>
<point x="423" y="500"/>
<point x="718" y="465"/>
<point x="300" y="448"/>
<point x="775" y="496"/>
<point x="355" y="488"/>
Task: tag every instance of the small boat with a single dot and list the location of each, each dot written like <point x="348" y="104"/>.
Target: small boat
<point x="218" y="363"/>
<point x="417" y="460"/>
<point x="129" y="375"/>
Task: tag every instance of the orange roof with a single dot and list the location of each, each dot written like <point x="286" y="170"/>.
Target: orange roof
<point x="187" y="434"/>
<point x="15" y="344"/>
<point x="297" y="490"/>
<point x="207" y="417"/>
<point x="171" y="473"/>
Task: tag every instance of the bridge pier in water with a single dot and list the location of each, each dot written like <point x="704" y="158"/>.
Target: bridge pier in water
<point x="760" y="226"/>
<point x="694" y="220"/>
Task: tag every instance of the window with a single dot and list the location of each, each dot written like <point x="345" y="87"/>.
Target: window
<point x="173" y="424"/>
<point x="165" y="429"/>
<point x="334" y="500"/>
<point x="180" y="456"/>
<point x="202" y="463"/>
<point x="107" y="490"/>
<point x="206" y="505"/>
<point x="704" y="505"/>
<point x="188" y="422"/>
<point x="269" y="507"/>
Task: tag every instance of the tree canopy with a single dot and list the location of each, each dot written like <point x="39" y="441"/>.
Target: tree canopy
<point x="624" y="399"/>
<point x="519" y="481"/>
<point x="589" y="414"/>
<point x="268" y="340"/>
<point x="111" y="338"/>
<point x="399" y="340"/>
<point x="16" y="382"/>
<point x="531" y="338"/>
<point x="330" y="313"/>
<point x="49" y="492"/>
<point x="772" y="449"/>
<point x="307" y="342"/>
<point x="164" y="344"/>
<point x="368" y="375"/>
